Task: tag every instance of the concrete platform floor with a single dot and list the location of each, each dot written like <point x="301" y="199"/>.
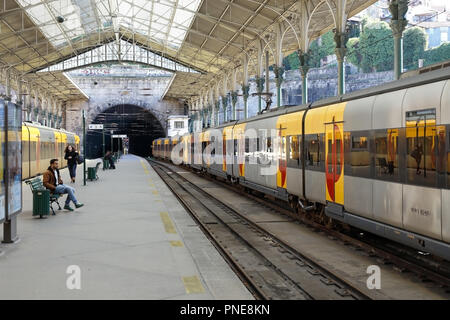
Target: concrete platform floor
<point x="131" y="240"/>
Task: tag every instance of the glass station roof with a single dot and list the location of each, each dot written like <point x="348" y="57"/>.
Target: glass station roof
<point x="163" y="21"/>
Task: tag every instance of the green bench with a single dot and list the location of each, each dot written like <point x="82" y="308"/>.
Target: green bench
<point x="92" y="172"/>
<point x="36" y="185"/>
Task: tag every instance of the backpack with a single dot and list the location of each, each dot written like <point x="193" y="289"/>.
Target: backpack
<point x="79" y="159"/>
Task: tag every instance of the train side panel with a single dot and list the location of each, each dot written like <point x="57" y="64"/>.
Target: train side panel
<point x="445" y="119"/>
<point x="358" y="185"/>
<point x="422" y="204"/>
<point x="386" y="119"/>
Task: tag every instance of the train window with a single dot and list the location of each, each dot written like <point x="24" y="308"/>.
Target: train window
<point x="32" y="150"/>
<point x="314" y="151"/>
<point x="269" y="144"/>
<point x="359" y="142"/>
<point x="421" y="151"/>
<point x="283" y="148"/>
<point x="247" y="145"/>
<point x="294" y="148"/>
<point x="441" y="156"/>
<point x="448" y="157"/>
<point x="357" y="155"/>
<point x="294" y="151"/>
<point x="386" y="154"/>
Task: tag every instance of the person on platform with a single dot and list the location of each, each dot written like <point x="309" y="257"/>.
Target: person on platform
<point x="71" y="156"/>
<point x="109" y="158"/>
<point x="52" y="181"/>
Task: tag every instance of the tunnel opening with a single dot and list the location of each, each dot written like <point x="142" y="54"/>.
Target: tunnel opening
<point x="139" y="125"/>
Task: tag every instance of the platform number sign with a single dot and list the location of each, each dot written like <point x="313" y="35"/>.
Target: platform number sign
<point x="96" y="127"/>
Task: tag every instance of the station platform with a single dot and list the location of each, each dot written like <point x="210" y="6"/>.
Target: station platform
<point x="131" y="240"/>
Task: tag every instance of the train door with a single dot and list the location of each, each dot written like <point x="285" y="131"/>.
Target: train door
<point x="38" y="153"/>
<point x="334" y="173"/>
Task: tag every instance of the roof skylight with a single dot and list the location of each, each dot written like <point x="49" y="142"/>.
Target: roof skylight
<point x="163" y="21"/>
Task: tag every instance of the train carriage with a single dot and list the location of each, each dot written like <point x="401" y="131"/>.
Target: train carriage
<point x="378" y="159"/>
<point x="40" y="144"/>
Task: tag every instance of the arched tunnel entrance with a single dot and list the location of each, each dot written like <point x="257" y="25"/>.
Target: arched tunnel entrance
<point x="139" y="124"/>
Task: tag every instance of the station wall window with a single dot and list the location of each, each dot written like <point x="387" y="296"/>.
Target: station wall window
<point x="315" y="152"/>
<point x="179" y="124"/>
<point x="421" y="148"/>
<point x="386" y="154"/>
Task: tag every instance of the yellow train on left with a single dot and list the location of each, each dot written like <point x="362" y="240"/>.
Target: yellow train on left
<point x="40" y="144"/>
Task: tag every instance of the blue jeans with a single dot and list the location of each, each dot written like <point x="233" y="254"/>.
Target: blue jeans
<point x="63" y="189"/>
<point x="73" y="170"/>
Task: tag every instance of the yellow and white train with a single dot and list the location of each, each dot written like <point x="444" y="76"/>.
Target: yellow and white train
<point x="40" y="144"/>
<point x="377" y="159"/>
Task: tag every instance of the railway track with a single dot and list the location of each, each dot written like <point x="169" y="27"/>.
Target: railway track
<point x="270" y="268"/>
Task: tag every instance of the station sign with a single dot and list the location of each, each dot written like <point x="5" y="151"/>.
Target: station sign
<point x="119" y="136"/>
<point x="96" y="127"/>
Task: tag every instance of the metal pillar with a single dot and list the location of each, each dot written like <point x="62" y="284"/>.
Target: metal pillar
<point x="225" y="108"/>
<point x="340" y="39"/>
<point x="103" y="144"/>
<point x="398" y="9"/>
<point x="267" y="73"/>
<point x="245" y="95"/>
<point x="279" y="71"/>
<point x="304" y="68"/>
<point x="216" y="113"/>
<point x="10" y="224"/>
<point x="234" y="96"/>
<point x="83" y="116"/>
<point x="259" y="89"/>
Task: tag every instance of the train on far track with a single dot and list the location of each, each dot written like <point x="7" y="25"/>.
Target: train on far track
<point x="377" y="159"/>
<point x="40" y="144"/>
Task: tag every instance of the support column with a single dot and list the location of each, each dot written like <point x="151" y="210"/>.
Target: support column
<point x="216" y="113"/>
<point x="279" y="72"/>
<point x="28" y="103"/>
<point x="245" y="87"/>
<point x="278" y="67"/>
<point x="234" y="94"/>
<point x="210" y="107"/>
<point x="304" y="68"/>
<point x="259" y="88"/>
<point x="259" y="77"/>
<point x="340" y="39"/>
<point x="234" y="97"/>
<point x="8" y="85"/>
<point x="398" y="9"/>
<point x="267" y="80"/>
<point x="36" y="105"/>
<point x="225" y="108"/>
<point x="225" y="99"/>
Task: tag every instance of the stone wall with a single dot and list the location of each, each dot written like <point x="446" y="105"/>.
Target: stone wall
<point x="107" y="92"/>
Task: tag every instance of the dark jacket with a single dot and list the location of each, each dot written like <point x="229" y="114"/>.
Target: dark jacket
<point x="49" y="179"/>
<point x="72" y="160"/>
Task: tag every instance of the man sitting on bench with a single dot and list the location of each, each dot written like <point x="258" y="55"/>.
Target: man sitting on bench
<point x="52" y="181"/>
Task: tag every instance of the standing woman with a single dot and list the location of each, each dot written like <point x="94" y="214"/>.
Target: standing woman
<point x="71" y="156"/>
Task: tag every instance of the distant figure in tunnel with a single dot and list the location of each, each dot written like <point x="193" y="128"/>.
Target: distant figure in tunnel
<point x="52" y="181"/>
<point x="70" y="154"/>
<point x="108" y="156"/>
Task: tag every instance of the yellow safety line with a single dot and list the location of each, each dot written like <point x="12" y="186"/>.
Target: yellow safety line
<point x="168" y="224"/>
<point x="144" y="166"/>
<point x="193" y="285"/>
<point x="176" y="243"/>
